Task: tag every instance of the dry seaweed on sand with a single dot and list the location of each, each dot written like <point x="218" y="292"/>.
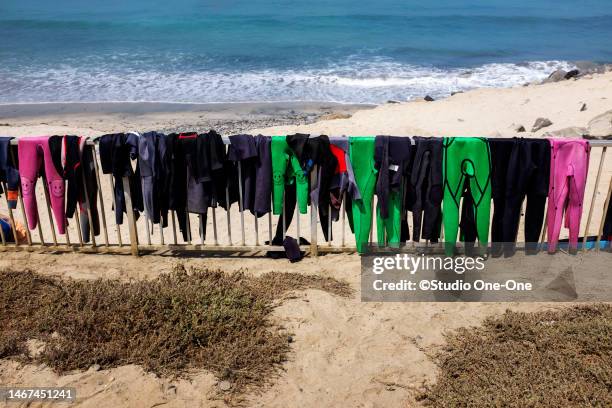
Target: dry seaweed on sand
<point x="546" y="359"/>
<point x="196" y="319"/>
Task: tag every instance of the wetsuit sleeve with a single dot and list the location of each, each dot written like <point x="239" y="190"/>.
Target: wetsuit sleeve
<point x="106" y="157"/>
<point x="217" y="151"/>
<point x="361" y="153"/>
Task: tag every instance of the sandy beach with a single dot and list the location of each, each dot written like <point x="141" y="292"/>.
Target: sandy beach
<point x="345" y="352"/>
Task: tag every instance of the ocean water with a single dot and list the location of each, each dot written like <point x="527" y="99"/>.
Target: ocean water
<point x="288" y="50"/>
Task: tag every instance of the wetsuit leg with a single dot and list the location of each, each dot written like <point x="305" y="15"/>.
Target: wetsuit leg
<point x="556" y="204"/>
<point x="302" y="189"/>
<point x="537" y="190"/>
<point x="404" y="231"/>
<point x="453" y="183"/>
<point x="361" y="151"/>
<point x="388" y="230"/>
<point x="519" y="171"/>
<point x="432" y="214"/>
<point x="501" y="154"/>
<point x="290" y="203"/>
<point x="467" y="223"/>
<point x="577" y="185"/>
<point x="482" y="206"/>
<point x="279" y="169"/>
<point x="420" y="175"/>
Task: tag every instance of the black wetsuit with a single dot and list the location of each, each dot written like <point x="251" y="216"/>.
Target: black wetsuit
<point x="426" y="183"/>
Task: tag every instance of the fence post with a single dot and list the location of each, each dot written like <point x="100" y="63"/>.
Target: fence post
<point x="314" y="247"/>
<point x="3" y="237"/>
<point x="588" y="223"/>
<point x="603" y="216"/>
<point x="130" y="216"/>
<point x="100" y="194"/>
<point x="92" y="233"/>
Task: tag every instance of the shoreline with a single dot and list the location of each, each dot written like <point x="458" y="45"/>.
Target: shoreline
<point x="95" y="118"/>
<point x="25" y="109"/>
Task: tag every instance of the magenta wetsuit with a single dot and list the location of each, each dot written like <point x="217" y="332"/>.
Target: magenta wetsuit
<point x="32" y="153"/>
<point x="569" y="165"/>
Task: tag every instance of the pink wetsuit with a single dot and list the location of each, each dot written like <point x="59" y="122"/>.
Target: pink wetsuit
<point x="569" y="165"/>
<point x="33" y="152"/>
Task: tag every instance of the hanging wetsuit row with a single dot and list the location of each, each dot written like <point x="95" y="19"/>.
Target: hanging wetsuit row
<point x="186" y="172"/>
<point x="447" y="183"/>
<point x="67" y="166"/>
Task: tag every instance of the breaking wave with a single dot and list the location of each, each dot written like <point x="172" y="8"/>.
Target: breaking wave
<point x="352" y="82"/>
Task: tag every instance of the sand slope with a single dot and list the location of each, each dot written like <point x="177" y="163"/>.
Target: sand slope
<point x="481" y="112"/>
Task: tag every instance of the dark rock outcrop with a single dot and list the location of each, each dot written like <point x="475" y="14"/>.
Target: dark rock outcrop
<point x="572" y="74"/>
<point x="558" y="75"/>
<point x="541" y="123"/>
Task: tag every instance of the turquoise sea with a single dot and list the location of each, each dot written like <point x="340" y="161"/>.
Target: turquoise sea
<point x="288" y="50"/>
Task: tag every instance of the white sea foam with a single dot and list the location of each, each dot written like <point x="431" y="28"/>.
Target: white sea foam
<point x="357" y="82"/>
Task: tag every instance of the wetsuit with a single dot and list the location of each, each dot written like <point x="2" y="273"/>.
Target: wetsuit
<point x="286" y="169"/>
<point x="426" y="182"/>
<point x="73" y="160"/>
<point x="314" y="154"/>
<point x="466" y="158"/>
<point x="116" y="152"/>
<point x="520" y="168"/>
<point x="344" y="179"/>
<point x="392" y="159"/>
<point x="501" y="150"/>
<point x="568" y="173"/>
<point x="528" y="176"/>
<point x="361" y="153"/>
<point x="253" y="153"/>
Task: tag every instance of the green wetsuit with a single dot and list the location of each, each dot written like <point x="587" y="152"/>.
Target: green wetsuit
<point x="466" y="157"/>
<point x="282" y="174"/>
<point x="361" y="153"/>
